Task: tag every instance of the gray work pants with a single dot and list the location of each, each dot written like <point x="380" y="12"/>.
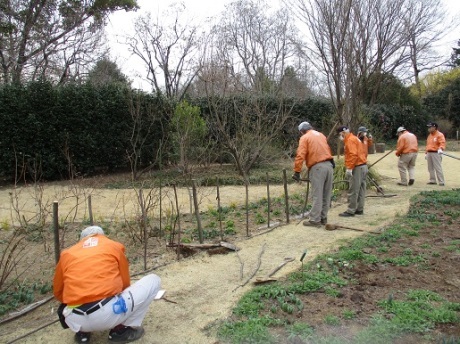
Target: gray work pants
<point x="321" y="176"/>
<point x="434" y="167"/>
<point x="357" y="189"/>
<point x="406" y="163"/>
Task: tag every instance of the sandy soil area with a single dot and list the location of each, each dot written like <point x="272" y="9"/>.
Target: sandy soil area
<point x="205" y="288"/>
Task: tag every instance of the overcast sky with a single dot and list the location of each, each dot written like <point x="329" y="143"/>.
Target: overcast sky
<point x="121" y="23"/>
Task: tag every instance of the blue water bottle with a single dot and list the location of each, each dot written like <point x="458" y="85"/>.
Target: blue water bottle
<point x="119" y="306"/>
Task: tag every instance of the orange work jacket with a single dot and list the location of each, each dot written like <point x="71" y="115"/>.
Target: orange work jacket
<point x="355" y="151"/>
<point x="407" y="143"/>
<point x="367" y="142"/>
<point x="312" y="149"/>
<point x="434" y="141"/>
<point x="93" y="269"/>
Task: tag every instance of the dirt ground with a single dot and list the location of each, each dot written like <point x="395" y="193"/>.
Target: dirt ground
<point x="205" y="287"/>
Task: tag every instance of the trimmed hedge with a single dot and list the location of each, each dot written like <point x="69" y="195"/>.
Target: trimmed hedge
<point x="56" y="132"/>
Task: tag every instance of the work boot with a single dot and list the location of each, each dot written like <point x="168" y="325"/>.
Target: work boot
<point x="359" y="212"/>
<point x="310" y="223"/>
<point x="125" y="334"/>
<point x="82" y="337"/>
<point x="431" y="183"/>
<point x="401" y="183"/>
<point x="324" y="221"/>
<point x="346" y="214"/>
<point x="411" y="182"/>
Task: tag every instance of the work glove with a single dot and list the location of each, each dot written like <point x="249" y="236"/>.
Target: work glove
<point x="349" y="173"/>
<point x="296" y="176"/>
<point x="440" y="151"/>
<point x="369" y="136"/>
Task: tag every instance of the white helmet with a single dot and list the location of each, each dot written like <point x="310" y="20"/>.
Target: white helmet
<point x="304" y="126"/>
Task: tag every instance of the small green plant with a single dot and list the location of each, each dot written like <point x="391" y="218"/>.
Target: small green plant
<point x="348" y="314"/>
<point x="260" y="218"/>
<point x="332" y="292"/>
<point x="5" y="225"/>
<point x="299" y="330"/>
<point x="332" y="320"/>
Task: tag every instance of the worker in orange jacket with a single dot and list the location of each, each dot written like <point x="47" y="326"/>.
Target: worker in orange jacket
<point x="435" y="146"/>
<point x="315" y="151"/>
<point x="406" y="151"/>
<point x="356" y="171"/>
<point x="93" y="285"/>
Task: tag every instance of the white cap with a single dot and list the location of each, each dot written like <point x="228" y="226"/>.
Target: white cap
<point x="400" y="129"/>
<point x="92" y="230"/>
<point x="304" y="126"/>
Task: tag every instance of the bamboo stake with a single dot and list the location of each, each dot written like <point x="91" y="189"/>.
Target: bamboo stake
<point x="178" y="222"/>
<point x="286" y="196"/>
<point x="219" y="209"/>
<point x="57" y="249"/>
<point x="268" y="201"/>
<point x="197" y="212"/>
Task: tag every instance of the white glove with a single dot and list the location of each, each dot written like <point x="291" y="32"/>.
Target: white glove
<point x="349" y="172"/>
<point x="440" y="151"/>
<point x="369" y="136"/>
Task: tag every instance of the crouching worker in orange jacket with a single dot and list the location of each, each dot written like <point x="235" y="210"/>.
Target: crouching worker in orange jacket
<point x="92" y="282"/>
<point x="356" y="171"/>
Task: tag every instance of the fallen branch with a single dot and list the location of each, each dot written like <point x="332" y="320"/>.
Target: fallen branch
<point x="259" y="262"/>
<point x="32" y="332"/>
<point x="26" y="310"/>
<point x="206" y="246"/>
<point x="272" y="227"/>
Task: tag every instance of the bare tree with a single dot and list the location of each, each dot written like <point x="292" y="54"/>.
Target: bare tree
<point x="351" y="40"/>
<point x="169" y="51"/>
<point x="31" y="30"/>
<point x="426" y="23"/>
<point x="69" y="59"/>
<point x="253" y="45"/>
<point x="245" y="60"/>
<point x="354" y="42"/>
<point x="247" y="126"/>
<point x="144" y="121"/>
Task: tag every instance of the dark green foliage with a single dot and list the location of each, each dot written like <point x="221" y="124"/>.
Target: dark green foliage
<point x="319" y="112"/>
<point x="387" y="118"/>
<point x="28" y="131"/>
<point x="389" y="105"/>
<point x="52" y="132"/>
<point x="445" y="103"/>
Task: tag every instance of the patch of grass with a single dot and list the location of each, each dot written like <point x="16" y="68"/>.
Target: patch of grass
<point x="405" y="260"/>
<point x="348" y="314"/>
<point x="332" y="320"/>
<point x="254" y="331"/>
<point x="420" y="312"/>
<point x="299" y="330"/>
